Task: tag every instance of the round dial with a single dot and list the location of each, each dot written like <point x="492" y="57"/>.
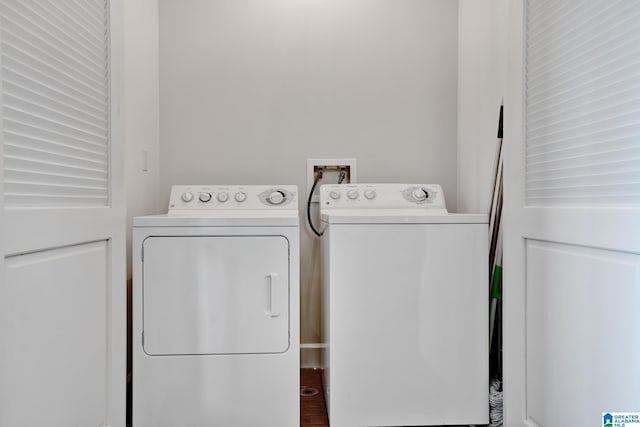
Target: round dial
<point x="276" y="198"/>
<point x="420" y="194"/>
<point x="187" y="197"/>
<point x="370" y="194"/>
<point x="205" y="197"/>
<point x="222" y="197"/>
<point x="240" y="196"/>
<point x="353" y="194"/>
<point x="335" y="194"/>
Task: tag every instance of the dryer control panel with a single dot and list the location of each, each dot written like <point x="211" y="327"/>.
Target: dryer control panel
<point x="199" y="198"/>
<point x="382" y="196"/>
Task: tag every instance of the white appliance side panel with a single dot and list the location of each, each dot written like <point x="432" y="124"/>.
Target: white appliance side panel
<point x="325" y="245"/>
<point x="215" y="295"/>
<point x="408" y="325"/>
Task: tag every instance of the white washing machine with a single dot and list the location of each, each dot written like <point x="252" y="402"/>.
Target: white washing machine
<point x="405" y="308"/>
<point x="216" y="309"/>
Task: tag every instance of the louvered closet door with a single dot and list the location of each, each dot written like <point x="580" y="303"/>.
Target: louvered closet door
<point x="62" y="299"/>
<point x="572" y="220"/>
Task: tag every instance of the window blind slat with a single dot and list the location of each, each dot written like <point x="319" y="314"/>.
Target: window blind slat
<point x="599" y="145"/>
<point x="537" y="6"/>
<point x="20" y="26"/>
<point x="611" y="189"/>
<point x="55" y="104"/>
<point x="65" y="129"/>
<point x="589" y="180"/>
<point x="66" y="63"/>
<point x="31" y="131"/>
<point x="37" y="61"/>
<point x="68" y="180"/>
<point x="582" y="103"/>
<point x="34" y="93"/>
<point x="15" y="151"/>
<point x="598" y="73"/>
<point x="586" y="129"/>
<point x="38" y="167"/>
<point x="22" y="75"/>
<point x="558" y="29"/>
<point x="588" y="51"/>
<point x="618" y="90"/>
<point x="66" y="13"/>
<point x="66" y="33"/>
<point x="71" y="34"/>
<point x="45" y="200"/>
<point x="627" y="132"/>
<point x="97" y="5"/>
<point x="44" y="109"/>
<point x="17" y="187"/>
<point x="598" y="80"/>
<point x="86" y="10"/>
<point x="578" y="30"/>
<point x="626" y="54"/>
<point x="54" y="146"/>
<point x="540" y="172"/>
<point x="622" y="113"/>
<point x="605" y="200"/>
<point x="543" y="18"/>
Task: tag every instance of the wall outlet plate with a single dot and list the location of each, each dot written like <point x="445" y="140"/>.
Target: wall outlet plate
<point x="330" y="174"/>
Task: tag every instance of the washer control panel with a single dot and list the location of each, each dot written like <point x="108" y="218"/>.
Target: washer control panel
<point x="186" y="198"/>
<point x="382" y="196"/>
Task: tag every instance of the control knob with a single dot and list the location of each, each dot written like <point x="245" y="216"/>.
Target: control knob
<point x="420" y="194"/>
<point x="334" y="194"/>
<point x="370" y="194"/>
<point x="187" y="197"/>
<point x="240" y="196"/>
<point x="205" y="197"/>
<point x="276" y="198"/>
<point x="353" y="194"/>
<point x="222" y="197"/>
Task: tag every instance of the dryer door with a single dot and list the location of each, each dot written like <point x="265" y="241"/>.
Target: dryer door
<point x="215" y="295"/>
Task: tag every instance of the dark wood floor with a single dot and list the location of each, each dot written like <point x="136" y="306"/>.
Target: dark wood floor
<point x="313" y="411"/>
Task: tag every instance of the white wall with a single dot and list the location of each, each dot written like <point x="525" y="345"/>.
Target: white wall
<point x="141" y="110"/>
<point x="140" y="102"/>
<point x="249" y="89"/>
<point x="482" y="74"/>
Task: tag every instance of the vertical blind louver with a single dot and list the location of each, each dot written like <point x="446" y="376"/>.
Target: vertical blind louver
<point x="54" y="58"/>
<point x="582" y="103"/>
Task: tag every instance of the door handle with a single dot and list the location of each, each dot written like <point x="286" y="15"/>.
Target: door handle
<point x="274" y="309"/>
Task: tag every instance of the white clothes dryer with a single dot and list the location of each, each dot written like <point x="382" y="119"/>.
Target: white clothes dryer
<point x="216" y="309"/>
<point x="405" y="308"/>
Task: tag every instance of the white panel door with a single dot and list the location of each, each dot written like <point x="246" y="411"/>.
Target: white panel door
<point x="572" y="213"/>
<point x="57" y="306"/>
<point x="215" y="295"/>
<point x="62" y="224"/>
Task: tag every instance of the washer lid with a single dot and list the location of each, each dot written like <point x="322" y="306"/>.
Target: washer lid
<point x="398" y="216"/>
